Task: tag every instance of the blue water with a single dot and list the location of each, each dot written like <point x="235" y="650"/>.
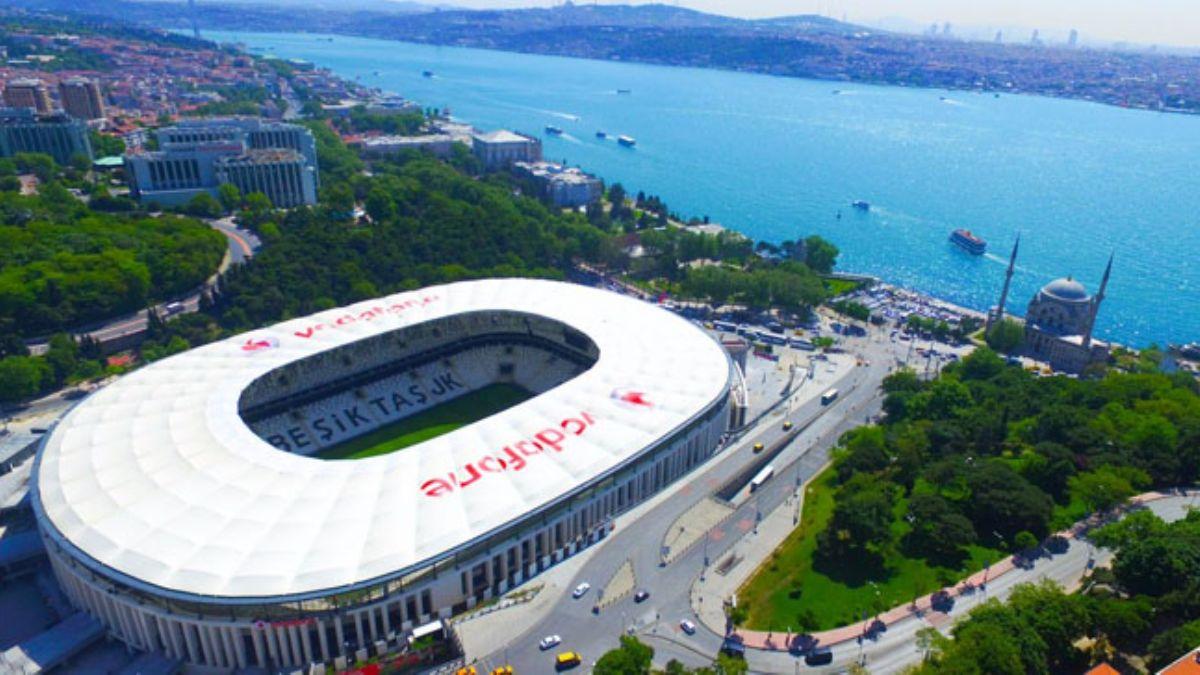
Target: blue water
<point x="778" y="158"/>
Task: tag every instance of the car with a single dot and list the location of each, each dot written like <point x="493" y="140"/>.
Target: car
<point x="787" y="426"/>
<point x="467" y="670"/>
<point x="581" y="590"/>
<point x="641" y="595"/>
<point x="687" y="627"/>
<point x="567" y="660"/>
<point x="502" y="670"/>
<point x="758" y="447"/>
<point x="819" y="656"/>
<point x="550" y="641"/>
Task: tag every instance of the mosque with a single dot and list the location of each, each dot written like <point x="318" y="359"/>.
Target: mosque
<point x="1059" y="321"/>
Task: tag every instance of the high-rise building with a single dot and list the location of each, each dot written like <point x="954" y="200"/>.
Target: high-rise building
<point x="27" y="92"/>
<point x="1073" y="38"/>
<point x="55" y="134"/>
<point x="197" y="156"/>
<point x="281" y="174"/>
<point x="81" y="98"/>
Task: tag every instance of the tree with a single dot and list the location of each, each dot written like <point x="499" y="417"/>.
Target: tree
<point x="1159" y="564"/>
<point x="1168" y="646"/>
<point x="21" y="378"/>
<point x="203" y="205"/>
<point x="1002" y="501"/>
<point x="633" y="657"/>
<point x="1107" y="486"/>
<point x="1005" y="336"/>
<point x="820" y="255"/>
<point x="229" y="196"/>
<point x="37" y="163"/>
<point x="256" y="210"/>
<point x="862" y="517"/>
<point x="1125" y="622"/>
<point x="938" y="532"/>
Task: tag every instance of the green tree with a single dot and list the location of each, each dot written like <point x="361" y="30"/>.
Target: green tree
<point x="203" y="205"/>
<point x="1005" y="336"/>
<point x="939" y="531"/>
<point x="21" y="378"/>
<point x="820" y="255"/>
<point x="633" y="657"/>
<point x="229" y="196"/>
<point x="1107" y="486"/>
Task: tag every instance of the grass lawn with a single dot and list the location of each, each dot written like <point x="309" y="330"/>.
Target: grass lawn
<point x="438" y="420"/>
<point x="837" y="287"/>
<point x="788" y="592"/>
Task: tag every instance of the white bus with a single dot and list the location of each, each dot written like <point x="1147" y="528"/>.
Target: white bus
<point x="829" y="397"/>
<point x="762" y="477"/>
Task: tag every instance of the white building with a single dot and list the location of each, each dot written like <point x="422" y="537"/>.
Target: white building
<point x="187" y="508"/>
<point x="566" y="187"/>
<point x="498" y="149"/>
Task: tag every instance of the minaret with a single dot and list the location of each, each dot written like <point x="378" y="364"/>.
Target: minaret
<point x="1012" y="263"/>
<point x="1099" y="298"/>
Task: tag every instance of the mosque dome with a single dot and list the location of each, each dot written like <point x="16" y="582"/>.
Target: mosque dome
<point x="1066" y="289"/>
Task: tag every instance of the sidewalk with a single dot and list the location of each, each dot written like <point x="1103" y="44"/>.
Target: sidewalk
<point x="712" y="590"/>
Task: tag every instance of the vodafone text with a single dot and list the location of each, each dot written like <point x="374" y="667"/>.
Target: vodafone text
<point x="368" y="314"/>
<point x="512" y="457"/>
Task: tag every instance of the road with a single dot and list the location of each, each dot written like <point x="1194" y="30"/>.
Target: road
<point x="242" y="246"/>
<point x="657" y="619"/>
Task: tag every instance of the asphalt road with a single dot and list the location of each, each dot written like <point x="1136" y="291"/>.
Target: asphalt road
<point x="656" y="620"/>
<point x="242" y="245"/>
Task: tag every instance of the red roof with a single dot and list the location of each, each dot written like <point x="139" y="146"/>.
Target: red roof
<point x="1103" y="669"/>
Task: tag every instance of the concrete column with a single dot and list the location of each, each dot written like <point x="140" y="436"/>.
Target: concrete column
<point x="369" y="613"/>
<point x="341" y="635"/>
<point x="306" y="643"/>
<point x="387" y="620"/>
<point x="205" y="646"/>
<point x="358" y="629"/>
<point x="293" y="633"/>
<point x="260" y="655"/>
<point x="268" y="635"/>
<point x="189" y="637"/>
<point x="324" y="641"/>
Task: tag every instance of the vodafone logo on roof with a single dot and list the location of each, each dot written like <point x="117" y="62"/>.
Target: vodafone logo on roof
<point x="253" y="345"/>
<point x="632" y="398"/>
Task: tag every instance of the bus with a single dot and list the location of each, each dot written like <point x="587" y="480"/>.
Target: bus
<point x="762" y="477"/>
<point x="829" y="397"/>
<point x="725" y="326"/>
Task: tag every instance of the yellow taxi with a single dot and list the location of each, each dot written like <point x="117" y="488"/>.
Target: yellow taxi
<point x="503" y="670"/>
<point x="467" y="670"/>
<point x="787" y="426"/>
<point x="758" y="447"/>
<point x="567" y="660"/>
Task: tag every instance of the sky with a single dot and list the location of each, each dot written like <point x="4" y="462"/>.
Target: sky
<point x="1162" y="22"/>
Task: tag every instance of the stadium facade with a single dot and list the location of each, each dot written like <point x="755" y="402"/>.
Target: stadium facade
<point x="186" y="506"/>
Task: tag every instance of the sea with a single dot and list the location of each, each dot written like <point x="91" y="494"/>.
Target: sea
<point x="780" y="158"/>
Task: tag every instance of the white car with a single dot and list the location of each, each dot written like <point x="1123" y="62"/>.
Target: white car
<point x="549" y="641"/>
<point x="581" y="590"/>
<point x="688" y="627"/>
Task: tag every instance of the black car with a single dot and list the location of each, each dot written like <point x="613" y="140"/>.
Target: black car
<point x="820" y="656"/>
<point x="641" y="595"/>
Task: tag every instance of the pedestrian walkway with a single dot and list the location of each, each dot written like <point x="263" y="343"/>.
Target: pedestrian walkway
<point x="713" y="590"/>
<point x="690" y="528"/>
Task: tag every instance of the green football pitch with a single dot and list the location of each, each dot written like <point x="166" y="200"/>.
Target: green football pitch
<point x="438" y="420"/>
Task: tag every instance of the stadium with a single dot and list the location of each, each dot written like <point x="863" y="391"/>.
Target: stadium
<point x="303" y="492"/>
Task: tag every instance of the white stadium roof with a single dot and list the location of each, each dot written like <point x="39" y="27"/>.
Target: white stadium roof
<point x="157" y="478"/>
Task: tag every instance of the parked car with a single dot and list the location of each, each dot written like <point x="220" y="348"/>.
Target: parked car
<point x="550" y="641"/>
<point x="687" y="627"/>
<point x="641" y="595"/>
<point x="820" y="656"/>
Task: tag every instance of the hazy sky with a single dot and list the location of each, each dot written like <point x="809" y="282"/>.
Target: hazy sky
<point x="1167" y="22"/>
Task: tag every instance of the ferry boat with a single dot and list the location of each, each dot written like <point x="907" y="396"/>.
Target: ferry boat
<point x="861" y="205"/>
<point x="553" y="130"/>
<point x="968" y="242"/>
<point x="426" y="73"/>
<point x="627" y="141"/>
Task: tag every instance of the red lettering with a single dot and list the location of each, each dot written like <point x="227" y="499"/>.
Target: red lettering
<point x="516" y="461"/>
<point x="471" y="471"/>
<point x="436" y="487"/>
<point x="343" y="320"/>
<point x="568" y="423"/>
<point x="306" y="333"/>
<point x="522" y="444"/>
<point x="491" y="464"/>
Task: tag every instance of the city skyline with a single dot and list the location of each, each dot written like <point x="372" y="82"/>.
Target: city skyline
<point x="1154" y="22"/>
